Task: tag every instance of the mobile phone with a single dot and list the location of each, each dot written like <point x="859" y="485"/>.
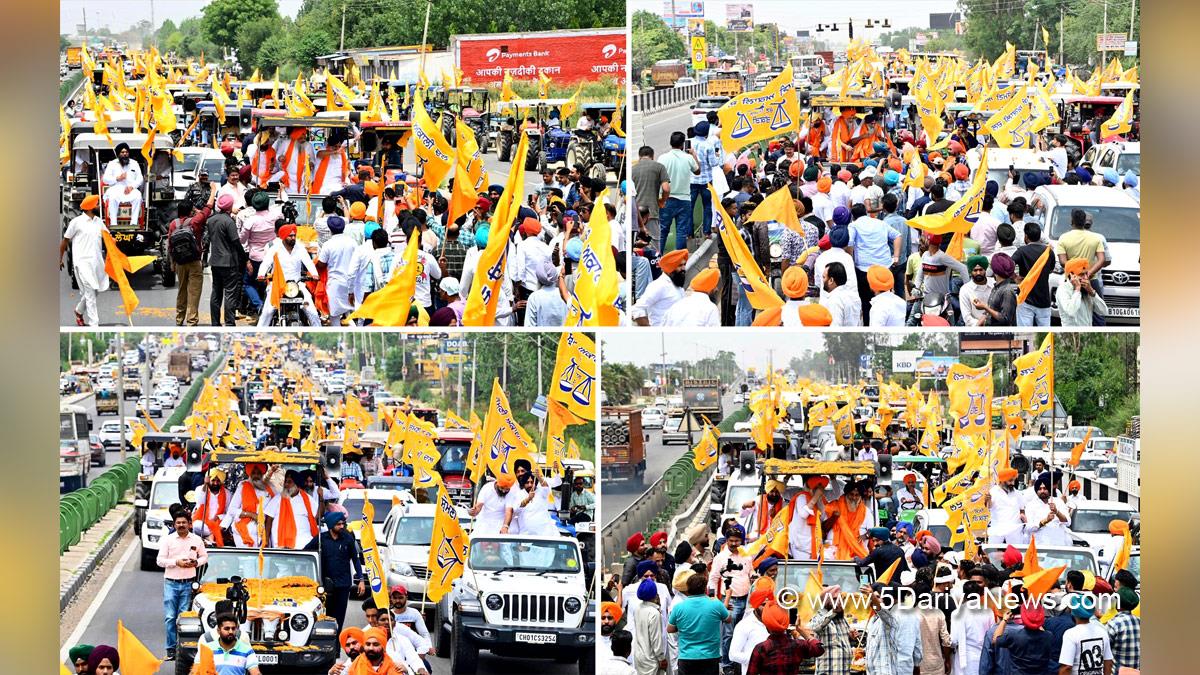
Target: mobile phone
<point x="864" y="580"/>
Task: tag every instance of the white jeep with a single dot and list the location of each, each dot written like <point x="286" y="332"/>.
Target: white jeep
<point x="285" y="621"/>
<point x="162" y="495"/>
<point x="519" y="596"/>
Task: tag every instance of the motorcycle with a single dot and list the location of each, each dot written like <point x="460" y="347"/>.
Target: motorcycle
<point x="934" y="309"/>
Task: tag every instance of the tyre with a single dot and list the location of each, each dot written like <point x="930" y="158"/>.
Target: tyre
<point x="504" y="147"/>
<point x="463" y="654"/>
<point x="587" y="662"/>
<point x="598" y="172"/>
<point x="183" y="665"/>
<point x="442" y="645"/>
<point x="572" y="153"/>
<point x="531" y="159"/>
<point x="149" y="561"/>
<point x="168" y="277"/>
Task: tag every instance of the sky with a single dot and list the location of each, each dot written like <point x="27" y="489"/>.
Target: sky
<point x="644" y="347"/>
<point x="120" y="15"/>
<point x="793" y="15"/>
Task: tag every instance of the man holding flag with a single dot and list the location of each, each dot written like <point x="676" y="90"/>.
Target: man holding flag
<point x="83" y="237"/>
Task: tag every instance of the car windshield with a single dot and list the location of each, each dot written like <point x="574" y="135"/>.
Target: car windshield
<point x="354" y="508"/>
<point x="190" y="161"/>
<point x="1081" y="559"/>
<point x="1135" y="565"/>
<point x="1104" y="445"/>
<point x="414" y="531"/>
<point x="530" y="556"/>
<point x="1094" y="521"/>
<point x="388" y="483"/>
<point x="1088" y="464"/>
<point x="1031" y="445"/>
<point x="226" y="563"/>
<point x="1106" y="472"/>
<point x="794" y="575"/>
<point x="1130" y="162"/>
<point x="738" y="495"/>
<point x="672" y="424"/>
<point x="164" y="494"/>
<point x="454" y="456"/>
<point x="1118" y="224"/>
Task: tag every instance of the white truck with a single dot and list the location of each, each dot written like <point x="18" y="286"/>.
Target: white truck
<point x="519" y="596"/>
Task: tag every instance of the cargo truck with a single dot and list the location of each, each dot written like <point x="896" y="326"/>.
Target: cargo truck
<point x="665" y="73"/>
<point x="622" y="447"/>
<point x="703" y="397"/>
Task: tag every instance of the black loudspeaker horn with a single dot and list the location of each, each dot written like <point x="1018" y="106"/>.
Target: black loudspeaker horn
<point x="331" y="459"/>
<point x="193" y="455"/>
<point x="746" y="461"/>
<point x="805" y="98"/>
<point x="896" y="99"/>
<point x="883" y="470"/>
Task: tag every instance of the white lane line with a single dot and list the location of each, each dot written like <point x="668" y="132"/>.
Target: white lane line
<point x="87" y="617"/>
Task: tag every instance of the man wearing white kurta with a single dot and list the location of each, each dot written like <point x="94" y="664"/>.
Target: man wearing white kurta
<point x="242" y="515"/>
<point x="651" y="308"/>
<point x="332" y="170"/>
<point x="534" y="515"/>
<point x="1007" y="509"/>
<point x="806" y="504"/>
<point x="748" y="633"/>
<point x="123" y="181"/>
<point x="300" y="524"/>
<point x="294" y="261"/>
<point x="490" y="505"/>
<point x="1045" y="517"/>
<point x="292" y="153"/>
<point x="83" y="235"/>
<point x="338" y="255"/>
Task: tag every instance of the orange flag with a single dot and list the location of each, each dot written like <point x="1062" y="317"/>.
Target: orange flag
<point x="1030" y="279"/>
<point x="117" y="264"/>
<point x="277" y="283"/>
<point x="780" y="208"/>
<point x="1031" y="565"/>
<point x="886" y="577"/>
<point x="135" y="658"/>
<point x="1077" y="451"/>
<point x="206" y="663"/>
<point x="1121" y="527"/>
<point x="1039" y="582"/>
<point x="955" y="249"/>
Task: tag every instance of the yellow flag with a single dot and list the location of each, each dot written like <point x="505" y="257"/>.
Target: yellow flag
<point x="1121" y="121"/>
<point x="447" y="548"/>
<point x="1035" y="377"/>
<point x="506" y="91"/>
<point x="572" y="449"/>
<point x="954" y="219"/>
<point x="433" y="151"/>
<point x="620" y="105"/>
<point x="970" y="397"/>
<point x="810" y="600"/>
<point x="573" y="382"/>
<point x="1045" y="37"/>
<point x="704" y="454"/>
<point x="543" y="85"/>
<point x="754" y="282"/>
<point x="373" y="561"/>
<point x="558" y="418"/>
<point x="593" y="302"/>
<point x="475" y="463"/>
<point x="424" y="459"/>
<point x="504" y="440"/>
<point x="1008" y="126"/>
<point x="484" y="293"/>
<point x="468" y="155"/>
<point x="462" y="195"/>
<point x="390" y="305"/>
<point x="780" y="208"/>
<point x="571" y="105"/>
<point x="136" y="659"/>
<point x="759" y="115"/>
<point x="117" y="265"/>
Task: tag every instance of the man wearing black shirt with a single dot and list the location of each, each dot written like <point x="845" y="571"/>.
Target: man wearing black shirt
<point x="1035" y="311"/>
<point x="937" y="200"/>
<point x="339" y="552"/>
<point x="883" y="553"/>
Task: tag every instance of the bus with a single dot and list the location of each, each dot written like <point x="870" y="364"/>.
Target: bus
<point x="811" y="67"/>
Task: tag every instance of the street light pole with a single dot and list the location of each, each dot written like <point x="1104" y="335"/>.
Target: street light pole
<point x="425" y="34"/>
<point x="342" y="40"/>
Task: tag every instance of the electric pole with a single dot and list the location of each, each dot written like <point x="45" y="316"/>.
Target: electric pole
<point x="342" y="41"/>
<point x="119" y="385"/>
<point x="473" y="362"/>
<point x="151" y="22"/>
<point x="462" y="356"/>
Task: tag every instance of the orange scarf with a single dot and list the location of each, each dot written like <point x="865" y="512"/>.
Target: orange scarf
<point x="250" y="504"/>
<point x="865" y="147"/>
<point x="264" y="171"/>
<point x="845" y="530"/>
<point x="319" y="178"/>
<point x="214" y="525"/>
<point x="362" y="666"/>
<point x="812" y="520"/>
<point x="841" y="134"/>
<point x="287" y="159"/>
<point x="287" y="520"/>
<point x="766" y="513"/>
<point x="815" y="136"/>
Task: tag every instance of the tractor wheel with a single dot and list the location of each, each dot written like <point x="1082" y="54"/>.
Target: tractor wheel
<point x="503" y="147"/>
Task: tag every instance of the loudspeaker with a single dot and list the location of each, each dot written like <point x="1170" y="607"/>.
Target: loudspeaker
<point x="331" y="459"/>
<point x="193" y="453"/>
<point x="805" y="98"/>
<point x="883" y="470"/>
<point x="746" y="461"/>
<point x="896" y="100"/>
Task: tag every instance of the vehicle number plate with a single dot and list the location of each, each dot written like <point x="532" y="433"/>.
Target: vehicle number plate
<point x="537" y="638"/>
<point x="1134" y="312"/>
<point x="268" y="659"/>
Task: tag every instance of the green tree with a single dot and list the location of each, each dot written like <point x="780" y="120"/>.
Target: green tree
<point x="622" y="382"/>
<point x="224" y="19"/>
<point x="653" y="41"/>
<point x="990" y="24"/>
<point x="252" y="36"/>
<point x="63" y="43"/>
<point x="165" y="30"/>
<point x="273" y="53"/>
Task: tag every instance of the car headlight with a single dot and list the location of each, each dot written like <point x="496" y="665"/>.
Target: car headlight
<point x="211" y="620"/>
<point x="572" y="605"/>
<point x="402" y="568"/>
<point x="469" y="602"/>
<point x="154" y="524"/>
<point x="189" y="625"/>
<point x="299" y="622"/>
<point x="494" y="602"/>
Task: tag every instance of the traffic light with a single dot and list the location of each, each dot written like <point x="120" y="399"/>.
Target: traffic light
<point x="851" y="23"/>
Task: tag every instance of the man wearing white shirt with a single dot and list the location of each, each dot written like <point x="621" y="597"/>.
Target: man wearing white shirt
<point x="651" y="309"/>
<point x="1045" y="517"/>
<point x="123" y="178"/>
<point x="84" y="236"/>
<point x="843" y="303"/>
<point x="338" y="256"/>
<point x="979" y="286"/>
<point x="293" y="154"/>
<point x="234" y="187"/>
<point x="332" y="166"/>
<point x="427" y="267"/>
<point x="533" y="252"/>
<point x="291" y="515"/>
<point x="887" y="308"/>
<point x="696" y="308"/>
<point x="1007" y="508"/>
<point x="839" y="239"/>
<point x="294" y="261"/>
<point x="750" y="631"/>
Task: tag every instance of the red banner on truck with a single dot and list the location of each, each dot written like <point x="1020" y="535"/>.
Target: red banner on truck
<point x="564" y="56"/>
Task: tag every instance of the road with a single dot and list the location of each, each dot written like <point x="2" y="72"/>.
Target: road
<point x="157" y="304"/>
<point x="658" y="458"/>
<point x="132" y="596"/>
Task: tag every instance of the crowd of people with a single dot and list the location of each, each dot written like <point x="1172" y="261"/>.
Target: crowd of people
<point x="705" y="605"/>
<point x="854" y="250"/>
<point x="239" y="223"/>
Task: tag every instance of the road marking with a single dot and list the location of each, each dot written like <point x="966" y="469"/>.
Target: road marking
<point x="87" y="617"/>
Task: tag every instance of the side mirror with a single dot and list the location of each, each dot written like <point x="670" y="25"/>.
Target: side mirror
<point x="141" y="504"/>
<point x="715" y="508"/>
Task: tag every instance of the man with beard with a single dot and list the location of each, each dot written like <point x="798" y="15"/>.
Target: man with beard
<point x="490" y="505"/>
<point x="294" y="261"/>
<point x="231" y="654"/>
<point x="638" y="550"/>
<point x="883" y="552"/>
<point x="399" y="648"/>
<point x="807" y="507"/>
<point x="403" y="613"/>
<point x="696" y="308"/>
<point x="352" y="644"/>
<point x="242" y="516"/>
<point x="374" y="659"/>
<point x="78" y="655"/>
<point x="1046" y="518"/>
<point x="662" y="293"/>
<point x="1007" y="509"/>
<point x="848" y="514"/>
<point x="978" y="288"/>
<point x="210" y="507"/>
<point x="123" y="179"/>
<point x="610" y="616"/>
<point x="338" y="555"/>
<point x="291" y="515"/>
<point x="756" y="514"/>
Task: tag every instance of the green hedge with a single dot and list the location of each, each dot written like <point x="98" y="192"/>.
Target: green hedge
<point x="184" y="408"/>
<point x="68" y="85"/>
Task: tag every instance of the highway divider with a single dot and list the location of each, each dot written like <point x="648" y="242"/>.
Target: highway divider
<point x="670" y="97"/>
<point x="659" y="504"/>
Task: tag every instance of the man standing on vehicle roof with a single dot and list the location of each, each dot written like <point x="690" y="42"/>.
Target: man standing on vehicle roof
<point x="293" y="153"/>
<point x="490" y="505"/>
<point x="1045" y="516"/>
<point x="83" y="236"/>
<point x="179" y="556"/>
<point x="242" y="516"/>
<point x="1007" y="509"/>
<point x="291" y="515"/>
<point x="123" y="179"/>
<point x="339" y="553"/>
<point x="211" y="503"/>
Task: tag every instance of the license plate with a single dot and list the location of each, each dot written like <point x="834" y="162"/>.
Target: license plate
<point x="268" y="659"/>
<point x="537" y="638"/>
<point x="1133" y="312"/>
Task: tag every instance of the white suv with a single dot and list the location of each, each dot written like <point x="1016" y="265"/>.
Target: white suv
<point x="405" y="545"/>
<point x="110" y="434"/>
<point x="164" y="493"/>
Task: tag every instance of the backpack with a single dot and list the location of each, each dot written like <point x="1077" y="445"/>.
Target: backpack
<point x="182" y="244"/>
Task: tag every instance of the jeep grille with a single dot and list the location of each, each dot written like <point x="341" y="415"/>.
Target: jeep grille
<point x="531" y="608"/>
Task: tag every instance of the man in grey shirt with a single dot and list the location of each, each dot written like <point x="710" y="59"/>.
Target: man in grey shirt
<point x="935" y="271"/>
<point x="652" y="187"/>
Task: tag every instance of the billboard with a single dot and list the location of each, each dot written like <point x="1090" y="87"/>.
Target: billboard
<point x="739" y="17"/>
<point x="937" y="367"/>
<point x="678" y="14"/>
<point x="695" y="27"/>
<point x="1110" y="42"/>
<point x="904" y="361"/>
<point x="564" y="56"/>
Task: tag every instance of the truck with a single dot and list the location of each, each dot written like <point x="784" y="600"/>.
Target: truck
<point x="702" y="396"/>
<point x="622" y="446"/>
<point x="131" y="387"/>
<point x="74" y="57"/>
<point x="106" y="402"/>
<point x="665" y="73"/>
<point x="726" y="83"/>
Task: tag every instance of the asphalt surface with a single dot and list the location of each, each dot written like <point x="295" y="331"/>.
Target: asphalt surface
<point x="658" y="458"/>
<point x="157" y="304"/>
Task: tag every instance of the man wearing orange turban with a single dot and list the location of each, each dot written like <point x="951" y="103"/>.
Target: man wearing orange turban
<point x="696" y="308"/>
<point x="1077" y="299"/>
<point x="795" y="286"/>
<point x="374" y="659"/>
<point x="491" y="506"/>
<point x="750" y="631"/>
<point x="804" y="530"/>
<point x="1007" y="509"/>
<point x="294" y="153"/>
<point x="351" y="640"/>
<point x="782" y="651"/>
<point x="86" y="241"/>
<point x="662" y="293"/>
<point x="814" y="314"/>
<point x="887" y="308"/>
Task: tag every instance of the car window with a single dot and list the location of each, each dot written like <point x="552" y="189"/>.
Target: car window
<point x="354" y="508"/>
<point x="1097" y="520"/>
<point x="164" y="494"/>
<point x="1130" y="162"/>
<point x="413" y="531"/>
<point x="1109" y="158"/>
<point x="1117" y="224"/>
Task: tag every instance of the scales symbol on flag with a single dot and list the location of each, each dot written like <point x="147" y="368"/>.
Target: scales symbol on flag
<point x="500" y="448"/>
<point x="741" y="127"/>
<point x="781" y="119"/>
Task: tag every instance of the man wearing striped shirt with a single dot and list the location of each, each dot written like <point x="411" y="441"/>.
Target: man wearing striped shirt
<point x="231" y="654"/>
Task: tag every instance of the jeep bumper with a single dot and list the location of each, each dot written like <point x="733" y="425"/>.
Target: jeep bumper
<point x="320" y="654"/>
<point x="528" y="641"/>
